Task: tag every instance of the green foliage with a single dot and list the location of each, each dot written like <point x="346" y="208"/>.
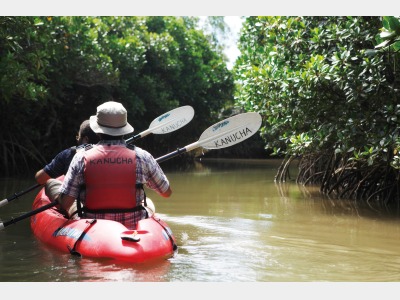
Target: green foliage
<point x="55" y="71"/>
<point x="390" y="34"/>
<point x="321" y="85"/>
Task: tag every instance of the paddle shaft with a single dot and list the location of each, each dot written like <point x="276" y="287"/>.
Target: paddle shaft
<point x="16" y="195"/>
<point x="139" y="136"/>
<point x="29" y="214"/>
<point x="134" y="138"/>
<point x="178" y="152"/>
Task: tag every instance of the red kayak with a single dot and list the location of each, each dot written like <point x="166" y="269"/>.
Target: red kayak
<point x="97" y="238"/>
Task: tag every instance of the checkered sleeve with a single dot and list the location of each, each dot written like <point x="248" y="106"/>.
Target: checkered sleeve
<point x="74" y="178"/>
<point x="149" y="172"/>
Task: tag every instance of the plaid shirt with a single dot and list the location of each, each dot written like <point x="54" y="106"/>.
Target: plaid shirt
<point x="148" y="172"/>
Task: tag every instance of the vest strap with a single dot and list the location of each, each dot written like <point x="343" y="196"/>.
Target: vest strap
<point x="114" y="211"/>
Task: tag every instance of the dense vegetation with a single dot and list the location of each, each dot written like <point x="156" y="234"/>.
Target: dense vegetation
<point x="55" y="71"/>
<point x="328" y="90"/>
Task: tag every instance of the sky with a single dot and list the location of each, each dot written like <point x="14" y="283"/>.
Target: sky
<point x="231" y="49"/>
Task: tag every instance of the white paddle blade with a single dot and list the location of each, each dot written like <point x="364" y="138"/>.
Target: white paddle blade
<point x="172" y="120"/>
<point x="231" y="131"/>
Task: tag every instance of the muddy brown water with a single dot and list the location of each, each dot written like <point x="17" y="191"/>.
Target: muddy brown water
<point x="233" y="224"/>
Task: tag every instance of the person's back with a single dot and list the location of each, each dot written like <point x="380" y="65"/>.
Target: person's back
<point x="60" y="163"/>
<point x="112" y="172"/>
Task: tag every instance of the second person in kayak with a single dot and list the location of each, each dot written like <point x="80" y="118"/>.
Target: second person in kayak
<point x="108" y="178"/>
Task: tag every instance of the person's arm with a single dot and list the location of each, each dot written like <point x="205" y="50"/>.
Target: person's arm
<point x="66" y="203"/>
<point x="72" y="184"/>
<point x="41" y="177"/>
<point x="158" y="181"/>
<point x="153" y="176"/>
<point x="167" y="193"/>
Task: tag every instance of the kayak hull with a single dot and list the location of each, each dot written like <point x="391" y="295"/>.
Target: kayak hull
<point x="99" y="238"/>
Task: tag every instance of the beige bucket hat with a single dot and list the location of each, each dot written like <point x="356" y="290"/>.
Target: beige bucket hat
<point x="111" y="119"/>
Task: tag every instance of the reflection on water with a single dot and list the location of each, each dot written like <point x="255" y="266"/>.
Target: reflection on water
<point x="232" y="224"/>
<point x="88" y="270"/>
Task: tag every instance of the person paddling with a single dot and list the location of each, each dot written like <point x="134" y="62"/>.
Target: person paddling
<point x="108" y="177"/>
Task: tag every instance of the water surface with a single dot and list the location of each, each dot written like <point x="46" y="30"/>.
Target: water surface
<point x="232" y="224"/>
